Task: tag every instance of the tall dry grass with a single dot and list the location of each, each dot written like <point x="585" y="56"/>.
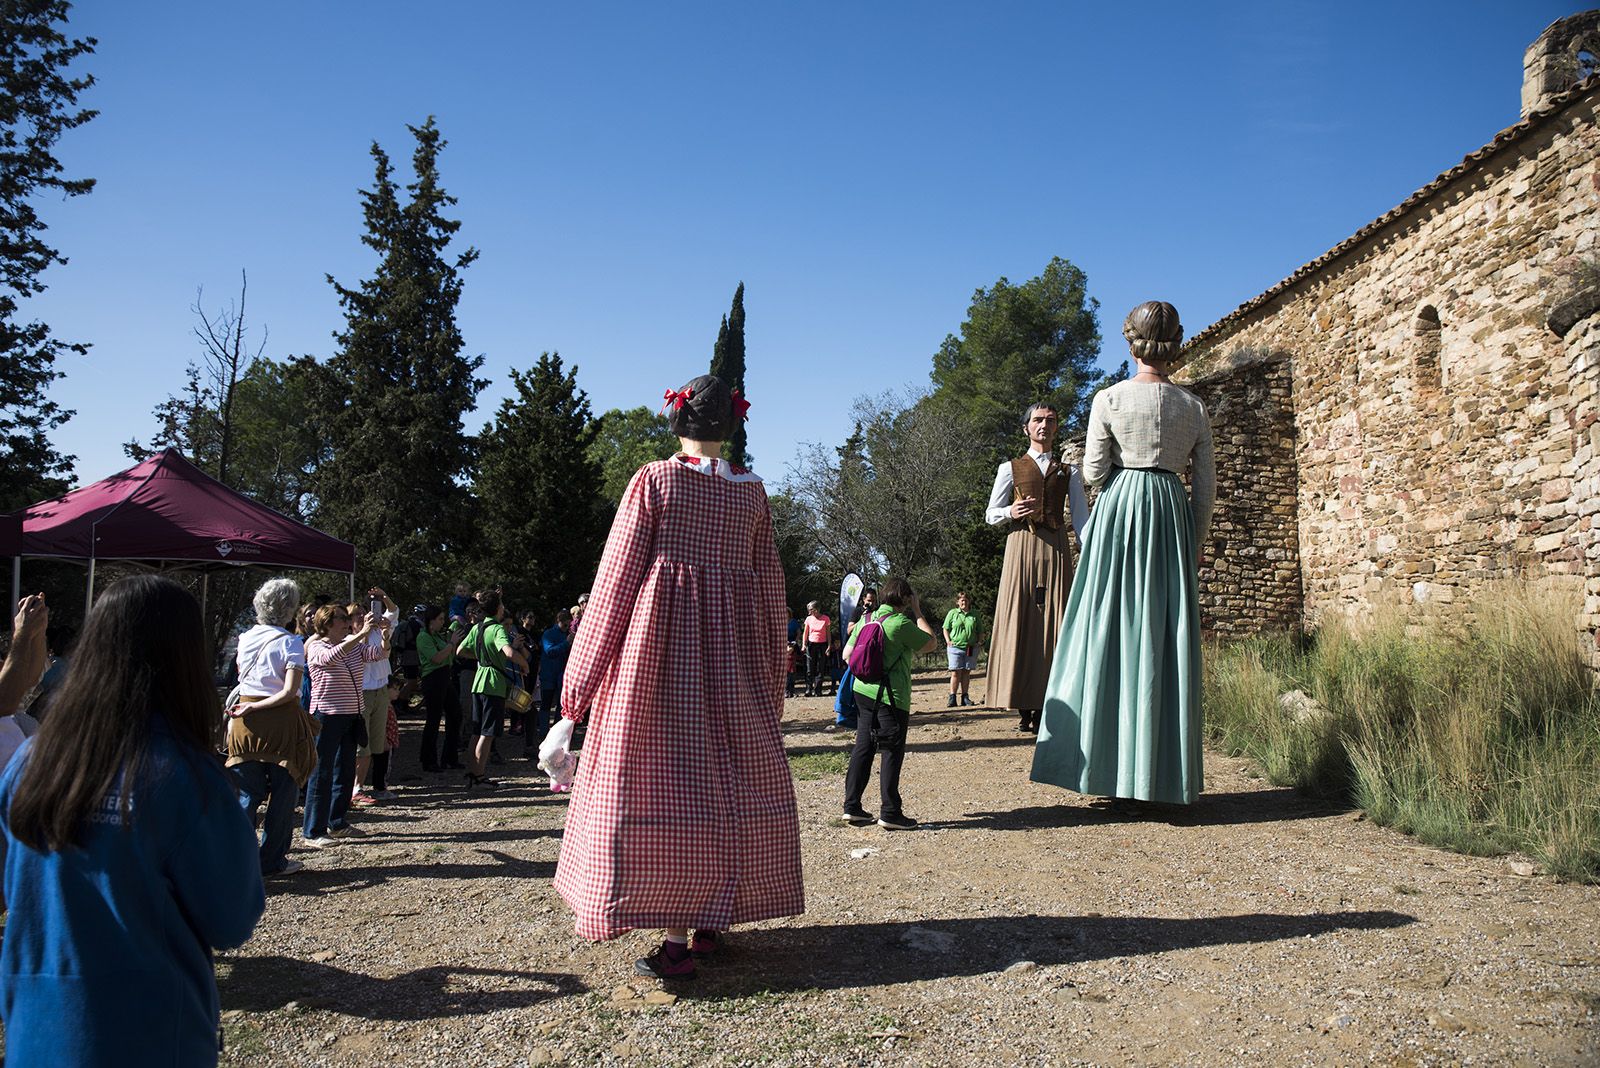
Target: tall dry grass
<point x="1481" y="735"/>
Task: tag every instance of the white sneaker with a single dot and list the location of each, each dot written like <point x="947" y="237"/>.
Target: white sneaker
<point x="385" y="795"/>
<point x="289" y="868"/>
<point x="346" y="831"/>
<point x="321" y="842"/>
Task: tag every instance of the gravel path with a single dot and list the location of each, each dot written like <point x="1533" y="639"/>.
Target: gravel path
<point x="1021" y="925"/>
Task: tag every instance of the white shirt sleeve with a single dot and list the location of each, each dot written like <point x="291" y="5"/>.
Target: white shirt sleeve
<point x="1077" y="503"/>
<point x="999" y="510"/>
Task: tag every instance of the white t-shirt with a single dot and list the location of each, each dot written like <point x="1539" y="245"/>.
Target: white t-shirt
<point x="266" y="654"/>
<point x="377" y="673"/>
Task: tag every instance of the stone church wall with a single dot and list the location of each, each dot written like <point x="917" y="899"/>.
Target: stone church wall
<point x="1250" y="574"/>
<point x="1445" y="436"/>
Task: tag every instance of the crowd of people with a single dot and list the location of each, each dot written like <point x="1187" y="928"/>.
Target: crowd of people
<point x="682" y="815"/>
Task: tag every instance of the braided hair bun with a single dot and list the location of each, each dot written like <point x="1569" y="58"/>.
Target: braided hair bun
<point x="1153" y="331"/>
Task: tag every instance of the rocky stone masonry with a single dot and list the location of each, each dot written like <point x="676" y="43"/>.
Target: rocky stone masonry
<point x="1250" y="581"/>
<point x="1446" y="436"/>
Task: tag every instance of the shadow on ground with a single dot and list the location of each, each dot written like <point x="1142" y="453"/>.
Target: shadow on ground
<point x="838" y="956"/>
<point x="262" y="984"/>
<point x="1212" y="810"/>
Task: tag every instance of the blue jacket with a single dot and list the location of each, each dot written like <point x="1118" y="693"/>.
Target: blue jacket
<point x="107" y="953"/>
<point x="556" y="644"/>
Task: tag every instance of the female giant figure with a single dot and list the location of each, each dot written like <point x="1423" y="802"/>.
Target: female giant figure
<point x="1122" y="707"/>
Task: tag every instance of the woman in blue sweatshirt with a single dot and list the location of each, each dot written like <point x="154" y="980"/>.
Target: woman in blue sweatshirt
<point x="128" y="859"/>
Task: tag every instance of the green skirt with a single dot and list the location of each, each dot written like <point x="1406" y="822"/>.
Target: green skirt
<point x="1122" y="706"/>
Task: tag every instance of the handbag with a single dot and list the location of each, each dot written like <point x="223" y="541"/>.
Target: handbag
<point x="518" y="700"/>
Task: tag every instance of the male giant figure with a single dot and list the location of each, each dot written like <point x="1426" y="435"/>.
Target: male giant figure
<point x="1032" y="494"/>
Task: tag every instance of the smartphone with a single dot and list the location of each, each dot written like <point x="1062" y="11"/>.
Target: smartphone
<point x="377" y="608"/>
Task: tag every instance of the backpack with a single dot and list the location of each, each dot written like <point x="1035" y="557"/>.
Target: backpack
<point x="404" y="644"/>
<point x="866" y="658"/>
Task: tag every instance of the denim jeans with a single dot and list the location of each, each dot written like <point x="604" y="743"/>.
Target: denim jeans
<point x="259" y="781"/>
<point x="328" y="792"/>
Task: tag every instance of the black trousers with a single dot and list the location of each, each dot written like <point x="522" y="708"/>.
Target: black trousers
<point x="880" y="730"/>
<point x="816" y="667"/>
<point x="439" y="703"/>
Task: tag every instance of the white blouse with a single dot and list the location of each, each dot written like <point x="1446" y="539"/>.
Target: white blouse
<point x="1153" y="424"/>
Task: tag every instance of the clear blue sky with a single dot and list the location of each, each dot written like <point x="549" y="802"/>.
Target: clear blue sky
<point x="862" y="167"/>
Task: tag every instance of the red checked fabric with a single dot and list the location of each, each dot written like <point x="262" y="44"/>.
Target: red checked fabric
<point x="683" y="811"/>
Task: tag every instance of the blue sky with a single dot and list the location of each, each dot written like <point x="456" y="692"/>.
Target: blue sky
<point x="862" y="167"/>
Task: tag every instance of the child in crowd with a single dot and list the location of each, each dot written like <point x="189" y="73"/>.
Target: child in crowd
<point x="378" y="771"/>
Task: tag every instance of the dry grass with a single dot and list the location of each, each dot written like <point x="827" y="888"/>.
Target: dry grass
<point x="1482" y="737"/>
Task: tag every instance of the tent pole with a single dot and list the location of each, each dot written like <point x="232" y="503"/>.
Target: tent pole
<point x="205" y="591"/>
<point x="352" y="588"/>
<point x="88" y="593"/>
<point x="16" y="585"/>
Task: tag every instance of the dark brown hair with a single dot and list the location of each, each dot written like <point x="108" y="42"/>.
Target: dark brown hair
<point x="895" y="592"/>
<point x="143" y="655"/>
<point x="708" y="413"/>
<point x="489" y="601"/>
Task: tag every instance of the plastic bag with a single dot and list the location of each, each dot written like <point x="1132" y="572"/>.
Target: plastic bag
<point x="556" y="757"/>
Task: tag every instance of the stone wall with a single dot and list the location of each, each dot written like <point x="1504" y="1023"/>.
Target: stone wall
<point x="1446" y="436"/>
<point x="1250" y="580"/>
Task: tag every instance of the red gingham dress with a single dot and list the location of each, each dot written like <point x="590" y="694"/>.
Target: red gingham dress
<point x="683" y="811"/>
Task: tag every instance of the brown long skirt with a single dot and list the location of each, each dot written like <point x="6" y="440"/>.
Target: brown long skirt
<point x="1026" y="623"/>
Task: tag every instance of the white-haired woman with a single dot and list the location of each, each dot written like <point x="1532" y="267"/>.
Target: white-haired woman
<point x="271" y="740"/>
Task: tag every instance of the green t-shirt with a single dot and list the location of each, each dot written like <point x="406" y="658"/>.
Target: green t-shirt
<point x="429" y="646"/>
<point x="902" y="639"/>
<point x="960" y="625"/>
<point x="490" y="678"/>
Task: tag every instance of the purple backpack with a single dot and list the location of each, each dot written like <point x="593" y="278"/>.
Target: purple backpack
<point x="866" y="655"/>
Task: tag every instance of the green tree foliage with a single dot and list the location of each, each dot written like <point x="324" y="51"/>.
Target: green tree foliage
<point x="1022" y="343"/>
<point x="889" y="501"/>
<point x="794" y="532"/>
<point x="624" y="441"/>
<point x="388" y="407"/>
<point x="538" y="508"/>
<point x="727" y="363"/>
<point x="38" y="103"/>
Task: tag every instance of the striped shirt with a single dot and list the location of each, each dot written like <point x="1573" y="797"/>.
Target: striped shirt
<point x="336" y="676"/>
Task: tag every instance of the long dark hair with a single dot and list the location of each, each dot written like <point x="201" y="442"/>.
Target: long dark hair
<point x="142" y="654"/>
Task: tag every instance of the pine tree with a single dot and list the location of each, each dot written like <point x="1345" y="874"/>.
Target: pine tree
<point x="38" y="103"/>
<point x="727" y="363"/>
<point x="388" y="407"/>
<point x="542" y="521"/>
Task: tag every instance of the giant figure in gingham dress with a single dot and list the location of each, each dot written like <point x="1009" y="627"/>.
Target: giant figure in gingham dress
<point x="683" y="810"/>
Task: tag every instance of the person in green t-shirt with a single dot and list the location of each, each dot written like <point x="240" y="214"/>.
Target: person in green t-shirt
<point x="884" y="706"/>
<point x="961" y="643"/>
<point x="489" y="643"/>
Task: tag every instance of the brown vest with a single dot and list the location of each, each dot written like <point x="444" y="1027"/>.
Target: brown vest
<point x="1048" y="487"/>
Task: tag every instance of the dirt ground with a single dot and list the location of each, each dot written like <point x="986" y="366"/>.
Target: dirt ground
<point x="1022" y="925"/>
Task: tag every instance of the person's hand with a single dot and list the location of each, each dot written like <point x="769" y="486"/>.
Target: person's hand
<point x="914" y="607"/>
<point x="1024" y="508"/>
<point x="33" y="617"/>
<point x="377" y="594"/>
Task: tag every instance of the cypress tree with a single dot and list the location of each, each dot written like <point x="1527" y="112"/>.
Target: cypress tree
<point x="38" y="103"/>
<point x="727" y="363"/>
<point x="542" y="523"/>
<point x="389" y="405"/>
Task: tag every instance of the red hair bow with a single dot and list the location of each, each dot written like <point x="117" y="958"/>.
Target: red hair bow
<point x="675" y="399"/>
<point x="741" y="407"/>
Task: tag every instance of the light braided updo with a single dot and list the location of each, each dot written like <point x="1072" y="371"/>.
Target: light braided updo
<point x="1153" y="331"/>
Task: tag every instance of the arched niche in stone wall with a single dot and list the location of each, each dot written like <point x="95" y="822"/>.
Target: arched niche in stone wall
<point x="1427" y="341"/>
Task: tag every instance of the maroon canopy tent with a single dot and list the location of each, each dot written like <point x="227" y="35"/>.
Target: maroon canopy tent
<point x="167" y="514"/>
